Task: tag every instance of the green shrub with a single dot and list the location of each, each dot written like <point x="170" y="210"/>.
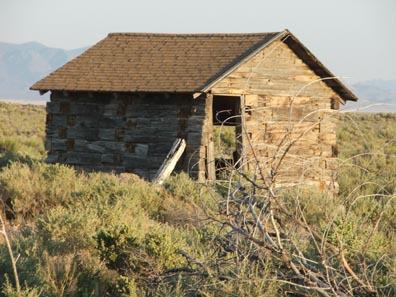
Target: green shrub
<point x="85" y="234"/>
<point x="22" y="130"/>
<point x="367" y="154"/>
<point x="224" y="139"/>
<point x="68" y="229"/>
<point x="8" y="290"/>
<point x="164" y="245"/>
<point x="114" y="248"/>
<point x="32" y="189"/>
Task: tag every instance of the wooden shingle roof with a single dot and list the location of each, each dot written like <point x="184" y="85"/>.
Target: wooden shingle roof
<point x="128" y="62"/>
<point x="148" y="62"/>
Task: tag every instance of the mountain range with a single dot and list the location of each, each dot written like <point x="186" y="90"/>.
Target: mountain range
<point x="375" y="95"/>
<point x="23" y="64"/>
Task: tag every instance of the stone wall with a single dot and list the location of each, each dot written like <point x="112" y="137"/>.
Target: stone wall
<point x="287" y="116"/>
<point x="123" y="132"/>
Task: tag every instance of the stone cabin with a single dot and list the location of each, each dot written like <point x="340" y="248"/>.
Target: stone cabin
<point x="121" y="104"/>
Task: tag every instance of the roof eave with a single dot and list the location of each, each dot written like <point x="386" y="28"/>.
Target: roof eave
<point x="331" y="80"/>
<point x="41" y="90"/>
<point x="45" y="90"/>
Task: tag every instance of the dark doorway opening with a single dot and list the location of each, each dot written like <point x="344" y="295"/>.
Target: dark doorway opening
<point x="227" y="133"/>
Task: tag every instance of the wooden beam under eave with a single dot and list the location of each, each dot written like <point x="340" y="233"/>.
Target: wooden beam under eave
<point x="42" y="92"/>
<point x="197" y="95"/>
<point x="338" y="98"/>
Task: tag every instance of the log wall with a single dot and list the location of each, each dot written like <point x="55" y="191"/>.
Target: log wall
<point x="126" y="132"/>
<point x="284" y="104"/>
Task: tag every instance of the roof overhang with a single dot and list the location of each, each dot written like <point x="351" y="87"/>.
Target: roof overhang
<point x="342" y="93"/>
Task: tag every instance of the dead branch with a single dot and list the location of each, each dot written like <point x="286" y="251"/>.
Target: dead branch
<point x="10" y="252"/>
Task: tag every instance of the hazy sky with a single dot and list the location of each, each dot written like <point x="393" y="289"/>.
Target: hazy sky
<point x="354" y="38"/>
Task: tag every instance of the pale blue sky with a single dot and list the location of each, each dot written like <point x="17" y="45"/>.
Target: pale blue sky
<point x="354" y="38"/>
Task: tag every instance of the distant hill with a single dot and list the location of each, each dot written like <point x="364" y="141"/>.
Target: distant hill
<point x="376" y="95"/>
<point x="21" y="65"/>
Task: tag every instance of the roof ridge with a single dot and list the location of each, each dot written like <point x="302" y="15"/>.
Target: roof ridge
<point x="189" y="34"/>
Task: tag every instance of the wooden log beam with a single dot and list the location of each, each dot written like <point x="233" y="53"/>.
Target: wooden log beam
<point x="170" y="161"/>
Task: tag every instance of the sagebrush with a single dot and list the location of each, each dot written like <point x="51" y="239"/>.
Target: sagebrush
<point x="101" y="234"/>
